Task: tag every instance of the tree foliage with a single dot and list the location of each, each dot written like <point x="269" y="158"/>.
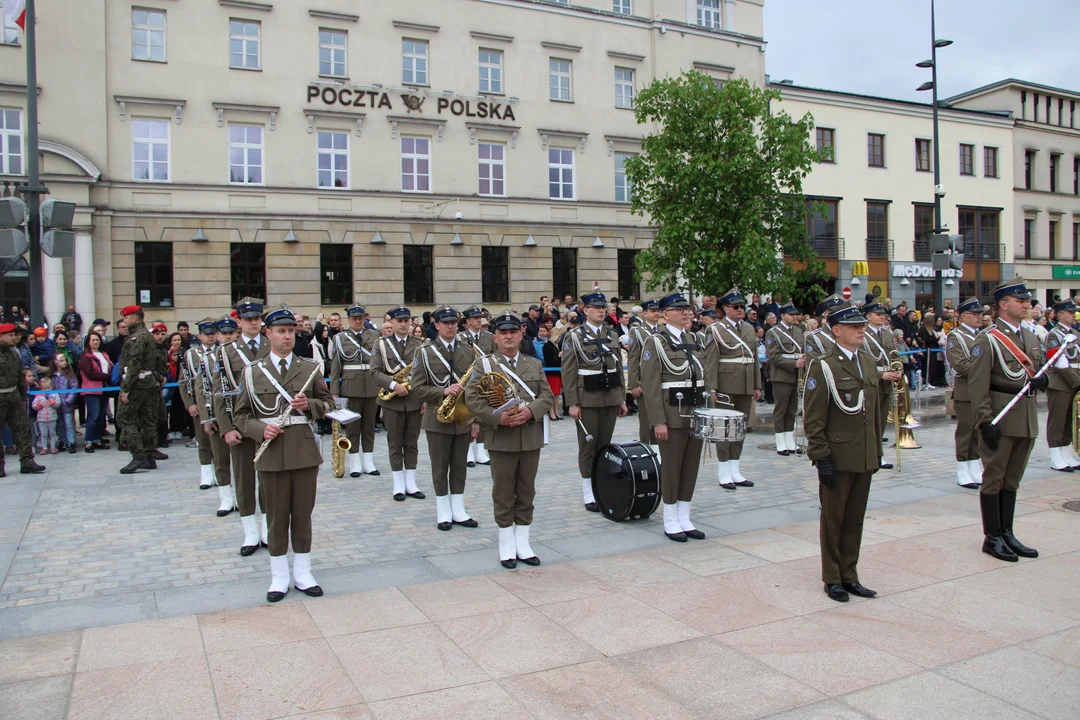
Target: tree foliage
<point x="722" y="181"/>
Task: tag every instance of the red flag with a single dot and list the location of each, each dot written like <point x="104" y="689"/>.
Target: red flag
<point x="15" y="11"/>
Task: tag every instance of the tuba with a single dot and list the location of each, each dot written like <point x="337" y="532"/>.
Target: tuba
<point x="452" y="408"/>
<point x="339" y="445"/>
<point x="401" y="377"/>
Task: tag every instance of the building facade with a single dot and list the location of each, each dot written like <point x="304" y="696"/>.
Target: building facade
<point x="1046" y="172"/>
<point x="319" y="151"/>
<point x="871" y="200"/>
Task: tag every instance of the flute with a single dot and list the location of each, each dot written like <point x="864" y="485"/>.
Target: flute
<point x="280" y="419"/>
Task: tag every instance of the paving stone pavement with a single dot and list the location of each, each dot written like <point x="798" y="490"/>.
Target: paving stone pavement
<point x="82" y="545"/>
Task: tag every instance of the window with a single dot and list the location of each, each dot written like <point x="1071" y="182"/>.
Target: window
<point x="492" y="170"/>
<point x="491" y="77"/>
<point x="560" y="174"/>
<point x="1076" y="241"/>
<point x="244" y="45"/>
<point x="624" y="88"/>
<point x="1029" y="164"/>
<point x="564" y="272"/>
<point x="1054" y="172"/>
<point x="877" y="230"/>
<point x="622" y="184"/>
<point x="967" y="159"/>
<point x="247" y="270"/>
<point x="559" y="79"/>
<point x="708" y="14"/>
<point x="1035" y="105"/>
<point x="495" y="272"/>
<point x="154" y="274"/>
<point x="1076" y="176"/>
<point x="822" y="228"/>
<point x="826" y="144"/>
<point x="922" y="155"/>
<point x="414" y="65"/>
<point x="246" y="156"/>
<point x="415" y="164"/>
<point x="629" y="281"/>
<point x="419" y="285"/>
<point x="333" y="53"/>
<point x="1053" y="239"/>
<point x="147" y="35"/>
<point x="1029" y="237"/>
<point x="981" y="231"/>
<point x="9" y="31"/>
<point x="924" y="228"/>
<point x="333" y="159"/>
<point x="335" y="273"/>
<point x="875" y="150"/>
<point x="990" y="165"/>
<point x="150" y="150"/>
<point x="621" y="6"/>
<point x="11" y="152"/>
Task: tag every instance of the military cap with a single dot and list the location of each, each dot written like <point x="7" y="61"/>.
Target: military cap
<point x="507" y="321"/>
<point x="874" y="307"/>
<point x="227" y="324"/>
<point x="249" y="308"/>
<point x="355" y="310"/>
<point x="595" y="299"/>
<point x="1065" y="306"/>
<point x="674" y="300"/>
<point x="650" y="305"/>
<point x="846" y="314"/>
<point x="970" y="305"/>
<point x="1012" y="288"/>
<point x="472" y="312"/>
<point x="445" y="314"/>
<point x="732" y="297"/>
<point x="280" y="316"/>
<point x="399" y="313"/>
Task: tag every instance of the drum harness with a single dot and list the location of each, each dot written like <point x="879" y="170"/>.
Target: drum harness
<point x="603" y="353"/>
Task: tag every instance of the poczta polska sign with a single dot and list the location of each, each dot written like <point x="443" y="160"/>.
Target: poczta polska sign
<point x="376" y="99"/>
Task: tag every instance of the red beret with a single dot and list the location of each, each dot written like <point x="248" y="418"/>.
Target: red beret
<point x="160" y="327"/>
<point x="129" y="310"/>
<point x="6" y="328"/>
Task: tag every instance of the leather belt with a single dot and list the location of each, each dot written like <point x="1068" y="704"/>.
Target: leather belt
<point x="737" y="361"/>
<point x="680" y="384"/>
<point x="597" y="372"/>
<point x="356" y="367"/>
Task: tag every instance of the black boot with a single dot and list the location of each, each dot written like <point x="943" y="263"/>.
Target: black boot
<point x="994" y="544"/>
<point x="28" y="467"/>
<point x="1008" y="510"/>
<point x="134" y="466"/>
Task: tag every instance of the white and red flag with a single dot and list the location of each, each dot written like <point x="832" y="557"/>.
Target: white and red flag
<point x="15" y="11"/>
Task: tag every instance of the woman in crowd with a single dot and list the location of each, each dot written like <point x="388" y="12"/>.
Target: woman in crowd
<point x="94" y="372"/>
<point x="64" y="378"/>
<point x="928" y="340"/>
<point x="763" y="359"/>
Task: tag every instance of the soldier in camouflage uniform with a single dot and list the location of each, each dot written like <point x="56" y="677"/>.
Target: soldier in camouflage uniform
<point x="140" y="393"/>
<point x="13" y="401"/>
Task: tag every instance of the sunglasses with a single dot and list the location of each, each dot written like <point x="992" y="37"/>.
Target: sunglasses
<point x="737" y="307"/>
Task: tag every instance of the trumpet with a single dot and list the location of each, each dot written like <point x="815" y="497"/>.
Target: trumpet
<point x="280" y="419"/>
<point x="401" y="377"/>
<point x="452" y="408"/>
<point x="339" y="445"/>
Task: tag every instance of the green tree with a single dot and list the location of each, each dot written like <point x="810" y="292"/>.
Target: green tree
<point x="722" y="181"/>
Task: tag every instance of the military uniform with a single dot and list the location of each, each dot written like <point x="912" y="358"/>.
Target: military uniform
<point x="200" y="363"/>
<point x="351" y="378"/>
<point x="784" y="346"/>
<point x="958" y="347"/>
<point x="440" y="365"/>
<point x="819" y="342"/>
<point x="731" y="363"/>
<point x="1064" y="377"/>
<point x="1003" y="359"/>
<point x="840" y="415"/>
<point x="137" y="417"/>
<point x="515" y="451"/>
<point x="401" y="415"/>
<point x="234" y="358"/>
<point x="879" y="344"/>
<point x="673" y="383"/>
<point x="289" y="466"/>
<point x="485" y="343"/>
<point x="13" y="403"/>
<point x="639" y="334"/>
<point x="592" y="381"/>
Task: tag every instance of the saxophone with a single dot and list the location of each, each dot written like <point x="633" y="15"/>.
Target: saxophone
<point x="452" y="408"/>
<point x="401" y="377"/>
<point x="339" y="445"/>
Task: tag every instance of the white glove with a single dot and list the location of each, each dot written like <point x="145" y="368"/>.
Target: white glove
<point x="1061" y="361"/>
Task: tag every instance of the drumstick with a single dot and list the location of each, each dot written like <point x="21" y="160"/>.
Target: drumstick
<point x="588" y="436"/>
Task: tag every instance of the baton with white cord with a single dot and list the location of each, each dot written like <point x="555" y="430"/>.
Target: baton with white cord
<point x="1023" y="390"/>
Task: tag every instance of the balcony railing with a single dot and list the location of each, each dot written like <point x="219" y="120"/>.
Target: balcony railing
<point x="922" y="250"/>
<point x="879" y="249"/>
<point x="826" y="247"/>
<point x="993" y="252"/>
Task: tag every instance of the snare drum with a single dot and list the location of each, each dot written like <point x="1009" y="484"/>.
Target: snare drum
<point x="718" y="425"/>
<point x="626" y="481"/>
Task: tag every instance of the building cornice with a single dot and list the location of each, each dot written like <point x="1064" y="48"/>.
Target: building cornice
<point x="225" y="107"/>
<point x="418" y="27"/>
<point x="493" y="37"/>
<point x="897" y="107"/>
<point x="625" y="56"/>
<point x="312" y="113"/>
<point x="1052" y="129"/>
<point x="247" y="5"/>
<point x="330" y="15"/>
<point x="124" y="100"/>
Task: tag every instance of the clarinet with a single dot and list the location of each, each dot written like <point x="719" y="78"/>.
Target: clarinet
<point x="208" y="391"/>
<point x="226" y="386"/>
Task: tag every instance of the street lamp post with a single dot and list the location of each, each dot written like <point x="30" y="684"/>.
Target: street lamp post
<point x="935" y="43"/>
<point x="33" y="189"/>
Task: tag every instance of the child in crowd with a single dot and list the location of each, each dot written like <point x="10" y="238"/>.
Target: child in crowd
<point x="30" y="383"/>
<point x="63" y="378"/>
<point x="48" y="409"/>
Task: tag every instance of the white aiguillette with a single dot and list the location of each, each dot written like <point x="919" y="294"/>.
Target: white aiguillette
<point x="343" y="416"/>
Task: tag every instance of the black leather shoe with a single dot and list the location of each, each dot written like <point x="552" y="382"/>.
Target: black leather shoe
<point x="885" y="466"/>
<point x="533" y="561"/>
<point x="150" y="464"/>
<point x="31" y="468"/>
<point x="1064" y="469"/>
<point x="470" y="464"/>
<point x="677" y="537"/>
<point x="509" y="564"/>
<point x="418" y="495"/>
<point x="223" y="513"/>
<point x="373" y="473"/>
<point x="158" y="455"/>
<point x="857" y="589"/>
<point x="837" y="593"/>
<point x="400" y="497"/>
<point x="129" y="469"/>
<point x="694" y="534"/>
<point x="971" y="486"/>
<point x="728" y="486"/>
<point x="72" y="449"/>
<point x="592" y="507"/>
<point x="355" y="475"/>
<point x="784" y="453"/>
<point x="275" y="596"/>
<point x="313" y="591"/>
<point x="996" y="547"/>
<point x="444" y="526"/>
<point x="488" y="462"/>
<point x="89" y="449"/>
<point x="205" y="487"/>
<point x="248" y="550"/>
<point x="1018" y="547"/>
<point x="745" y="483"/>
<point x="469" y="523"/>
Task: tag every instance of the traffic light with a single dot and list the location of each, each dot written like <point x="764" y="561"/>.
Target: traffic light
<point x="948" y="251"/>
<point x="13" y="238"/>
<point x="57" y="239"/>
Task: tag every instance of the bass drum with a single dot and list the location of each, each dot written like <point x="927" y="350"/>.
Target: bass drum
<point x="626" y="481"/>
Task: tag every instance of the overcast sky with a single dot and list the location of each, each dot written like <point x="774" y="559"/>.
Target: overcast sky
<point x="871" y="46"/>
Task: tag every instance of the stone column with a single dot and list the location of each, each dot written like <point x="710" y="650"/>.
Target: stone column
<point x="85" y="304"/>
<point x="52" y="276"/>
